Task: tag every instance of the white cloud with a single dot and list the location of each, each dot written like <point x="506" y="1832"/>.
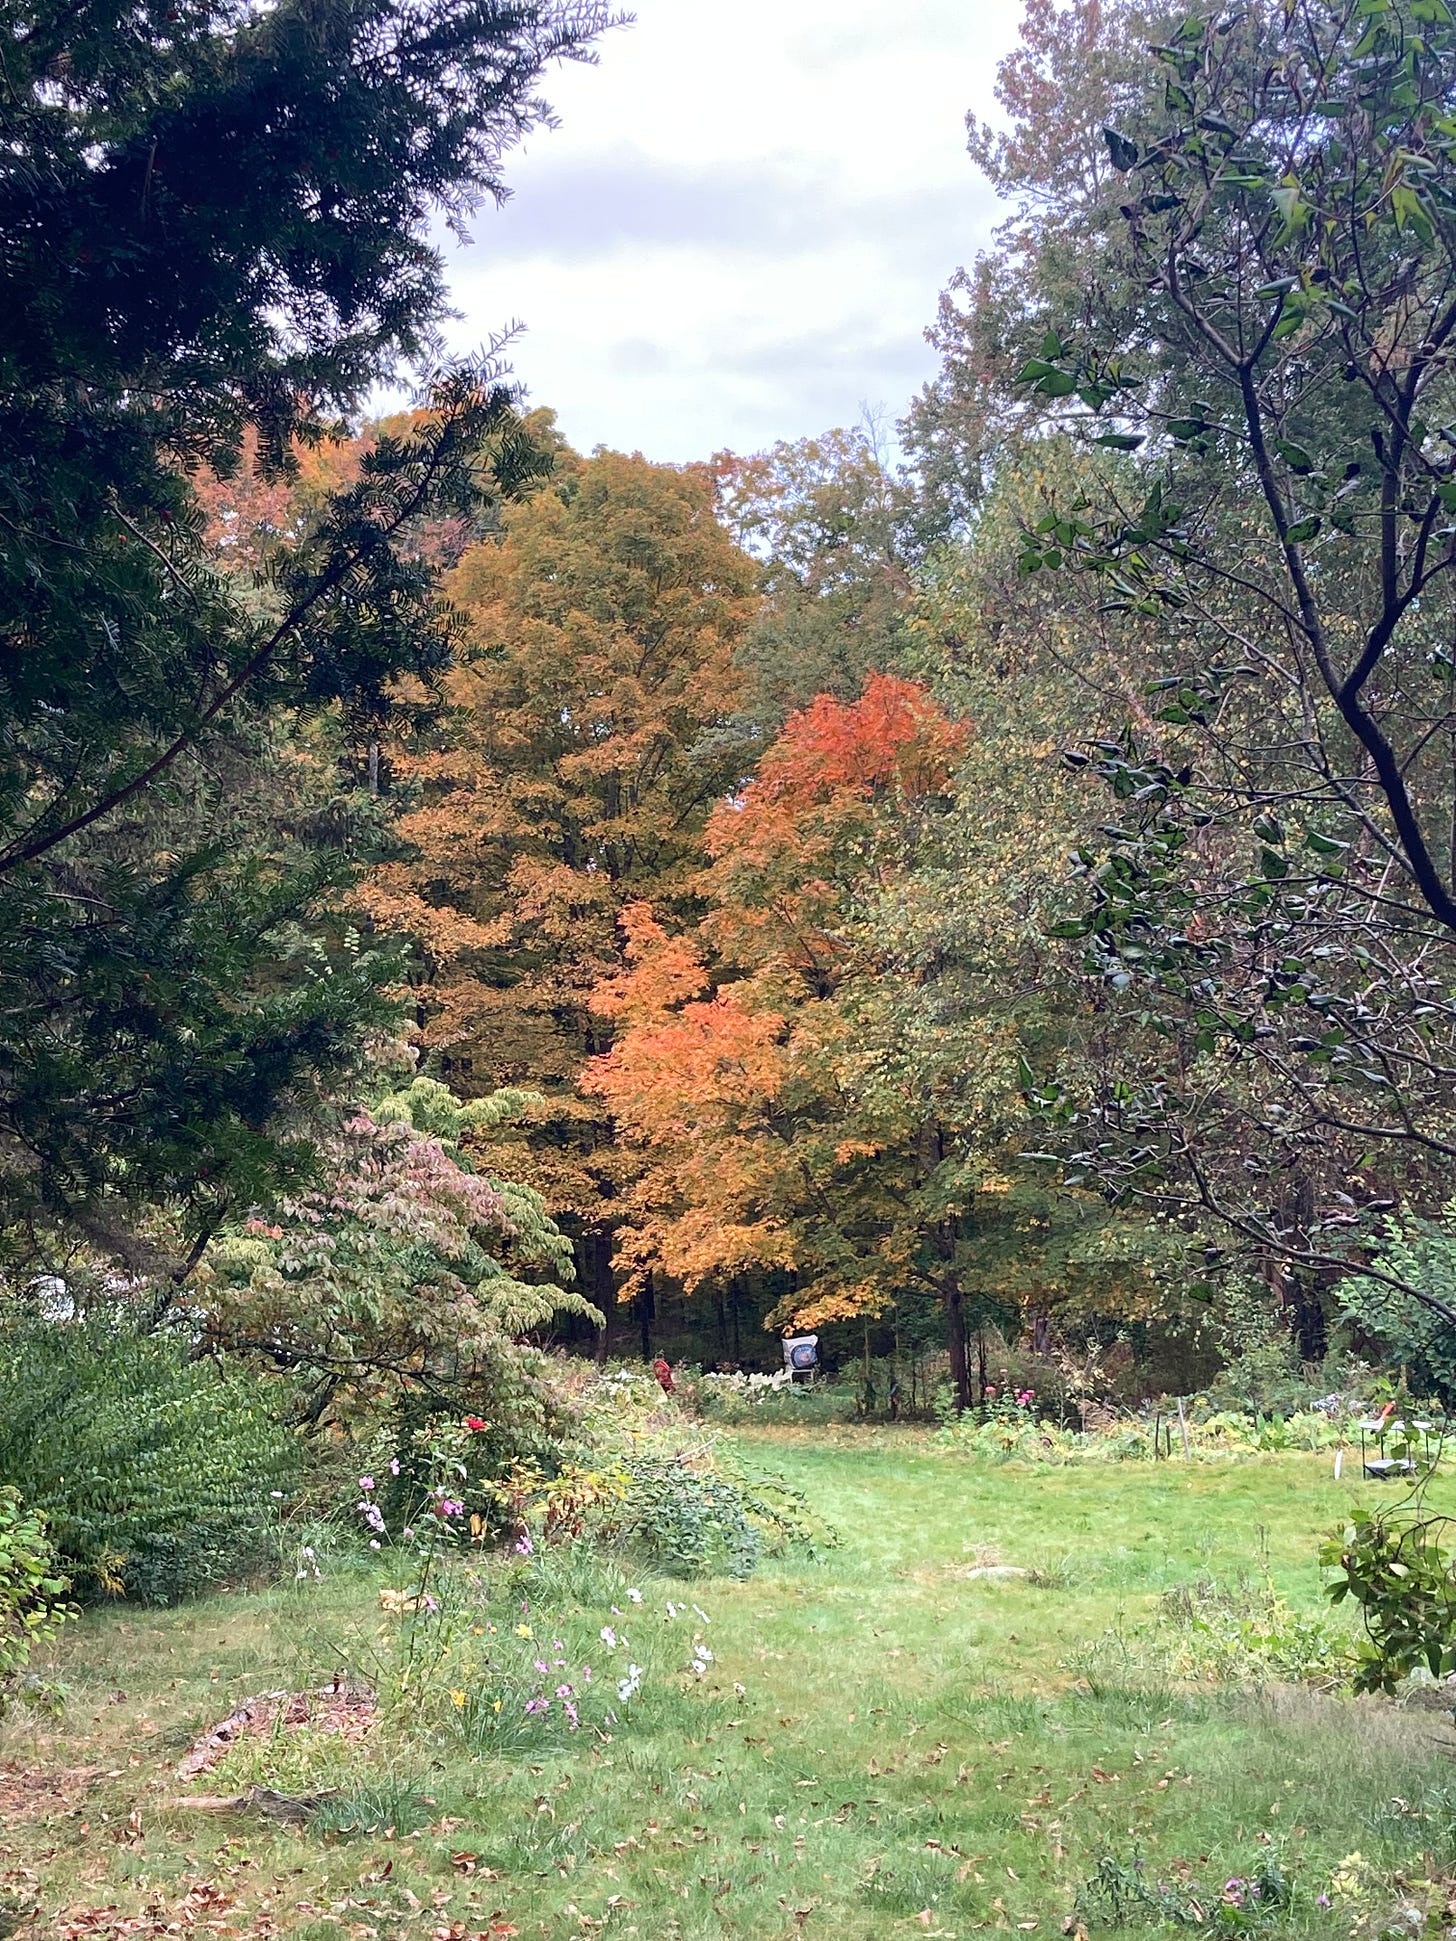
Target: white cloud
<point x="739" y="229"/>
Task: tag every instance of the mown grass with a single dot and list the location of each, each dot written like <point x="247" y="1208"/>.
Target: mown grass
<point x="913" y="1751"/>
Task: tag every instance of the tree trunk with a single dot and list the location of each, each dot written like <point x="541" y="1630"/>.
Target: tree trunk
<point x="646" y="1310"/>
<point x="603" y="1283"/>
<point x="960" y="1366"/>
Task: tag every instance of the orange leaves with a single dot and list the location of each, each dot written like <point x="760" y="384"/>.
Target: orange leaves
<point x="894" y="736"/>
<point x="813" y="824"/>
<point x="737" y="1088"/>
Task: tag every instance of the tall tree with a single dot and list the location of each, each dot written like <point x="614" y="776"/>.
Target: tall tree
<point x="832" y="524"/>
<point x="1276" y="896"/>
<point x="593" y="724"/>
<point x="1077" y="65"/>
<point x="761" y="1064"/>
<point x="214" y="226"/>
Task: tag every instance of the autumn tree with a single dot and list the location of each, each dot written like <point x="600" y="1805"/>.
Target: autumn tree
<point x="740" y="1069"/>
<point x="592" y="725"/>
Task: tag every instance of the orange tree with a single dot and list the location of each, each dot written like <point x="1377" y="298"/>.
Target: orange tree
<point x="768" y="1070"/>
<point x="744" y="1065"/>
<point x="591" y="726"/>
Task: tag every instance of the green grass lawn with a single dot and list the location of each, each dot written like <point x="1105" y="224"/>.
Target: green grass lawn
<point x="913" y="1751"/>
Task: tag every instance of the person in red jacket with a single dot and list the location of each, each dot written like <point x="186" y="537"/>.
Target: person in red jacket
<point x="663" y="1371"/>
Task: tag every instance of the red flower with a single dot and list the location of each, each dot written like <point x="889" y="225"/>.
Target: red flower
<point x="476" y="1423"/>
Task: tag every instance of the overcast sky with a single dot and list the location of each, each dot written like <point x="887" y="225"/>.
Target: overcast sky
<point x="740" y="228"/>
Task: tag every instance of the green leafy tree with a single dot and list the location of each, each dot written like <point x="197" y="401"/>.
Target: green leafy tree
<point x="1275" y="896"/>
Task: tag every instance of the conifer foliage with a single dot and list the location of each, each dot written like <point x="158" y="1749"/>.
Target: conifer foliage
<point x="213" y="231"/>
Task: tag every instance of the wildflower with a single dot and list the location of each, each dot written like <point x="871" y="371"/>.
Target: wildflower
<point x="394" y="1465"/>
<point x="634" y="1597"/>
<point x="524" y="1545"/>
<point x="534" y="1705"/>
<point x="276" y="1494"/>
<point x="307" y="1551"/>
<point x="457" y="1699"/>
<point x="629" y="1686"/>
<point x="540" y="1666"/>
<point x="496" y="1707"/>
<point x="523" y="1631"/>
<point x="571" y="1713"/>
<point x="430" y="1605"/>
<point x="449" y="1506"/>
<point x="366" y="1482"/>
<point x="608" y="1637"/>
<point x="586" y="1674"/>
<point x="739" y="1691"/>
<point x="476" y="1423"/>
<point x="408" y="1533"/>
<point x="1321" y="1900"/>
<point x="564" y="1691"/>
<point x="374" y="1543"/>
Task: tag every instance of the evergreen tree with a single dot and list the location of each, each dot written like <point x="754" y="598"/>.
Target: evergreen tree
<point x="213" y="233"/>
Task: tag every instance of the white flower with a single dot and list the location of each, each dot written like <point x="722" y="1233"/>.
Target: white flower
<point x="629" y="1686"/>
<point x="635" y="1596"/>
<point x="608" y="1637"/>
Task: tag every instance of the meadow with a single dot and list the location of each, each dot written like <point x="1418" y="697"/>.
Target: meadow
<point x="1143" y="1733"/>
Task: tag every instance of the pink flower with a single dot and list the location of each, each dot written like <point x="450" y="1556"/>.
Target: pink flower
<point x="366" y="1482"/>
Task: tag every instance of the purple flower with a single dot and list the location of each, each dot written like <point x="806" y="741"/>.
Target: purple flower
<point x="541" y="1666"/>
<point x="524" y="1545"/>
<point x="563" y="1691"/>
<point x="449" y="1506"/>
<point x="430" y="1605"/>
<point x="1321" y="1900"/>
<point x="534" y="1705"/>
<point x="394" y="1465"/>
<point x="570" y="1711"/>
<point x="366" y="1482"/>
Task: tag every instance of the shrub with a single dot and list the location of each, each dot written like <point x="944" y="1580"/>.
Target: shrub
<point x="697" y="1517"/>
<point x="690" y="1521"/>
<point x="31" y="1593"/>
<point x="153" y="1471"/>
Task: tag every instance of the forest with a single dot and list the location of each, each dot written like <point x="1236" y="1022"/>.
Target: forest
<point x="727" y="1189"/>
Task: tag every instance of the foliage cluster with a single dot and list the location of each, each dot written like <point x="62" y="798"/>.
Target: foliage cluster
<point x="158" y="1473"/>
<point x="32" y="1594"/>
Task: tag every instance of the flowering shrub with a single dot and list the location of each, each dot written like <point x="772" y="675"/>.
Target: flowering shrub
<point x="749" y="1390"/>
<point x="1121" y="1894"/>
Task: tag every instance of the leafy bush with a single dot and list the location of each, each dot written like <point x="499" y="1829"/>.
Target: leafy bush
<point x="153" y="1471"/>
<point x="1123" y="1894"/>
<point x="1421" y="1253"/>
<point x="31" y="1593"/>
<point x="690" y="1521"/>
<point x="1396" y="1569"/>
<point x="697" y="1517"/>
